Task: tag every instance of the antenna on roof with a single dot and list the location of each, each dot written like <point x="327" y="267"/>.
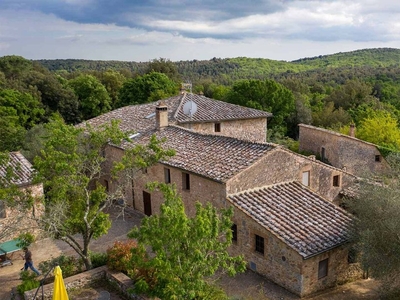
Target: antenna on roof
<point x="186" y="86"/>
<point x="190" y="109"/>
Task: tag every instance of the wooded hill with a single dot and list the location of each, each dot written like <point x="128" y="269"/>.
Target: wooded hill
<point x="360" y="63"/>
<point x="331" y="91"/>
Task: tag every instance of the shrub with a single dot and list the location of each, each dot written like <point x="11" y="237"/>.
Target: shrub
<point x="120" y="254"/>
<point x="68" y="264"/>
<point x="98" y="259"/>
<point x="25" y="239"/>
<point x="29" y="282"/>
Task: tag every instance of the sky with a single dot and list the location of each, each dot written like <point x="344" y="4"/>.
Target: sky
<point x="138" y="30"/>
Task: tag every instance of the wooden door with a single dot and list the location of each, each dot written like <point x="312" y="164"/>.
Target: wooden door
<point x="147" y="203"/>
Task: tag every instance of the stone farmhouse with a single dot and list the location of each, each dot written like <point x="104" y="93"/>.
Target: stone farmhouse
<point x="342" y="151"/>
<point x="12" y="220"/>
<point x="285" y="224"/>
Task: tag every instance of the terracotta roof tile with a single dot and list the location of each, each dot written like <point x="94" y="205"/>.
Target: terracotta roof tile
<point x="215" y="110"/>
<point x="21" y="168"/>
<point x="213" y="156"/>
<point x="300" y="218"/>
<point x="140" y="118"/>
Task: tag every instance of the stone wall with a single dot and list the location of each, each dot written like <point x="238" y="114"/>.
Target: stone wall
<point x="281" y="165"/>
<point x="249" y="129"/>
<point x="84" y="279"/>
<point x="344" y="152"/>
<point x="72" y="282"/>
<point x="201" y="189"/>
<point x="16" y="220"/>
<point x="282" y="264"/>
<point x="337" y="265"/>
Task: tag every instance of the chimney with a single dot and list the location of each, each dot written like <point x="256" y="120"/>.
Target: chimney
<point x="161" y="115"/>
<point x="352" y="130"/>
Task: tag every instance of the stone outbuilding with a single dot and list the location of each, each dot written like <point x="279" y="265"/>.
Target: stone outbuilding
<point x="342" y="151"/>
<point x="13" y="220"/>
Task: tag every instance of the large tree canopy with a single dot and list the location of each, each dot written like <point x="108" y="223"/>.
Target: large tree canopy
<point x="266" y="95"/>
<point x="93" y="97"/>
<point x="147" y="88"/>
<point x="70" y="167"/>
<point x="377" y="226"/>
<point x="184" y="251"/>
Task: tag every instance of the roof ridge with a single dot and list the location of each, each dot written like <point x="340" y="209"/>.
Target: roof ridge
<point x="223" y="136"/>
<point x="259" y="188"/>
<point x="183" y="97"/>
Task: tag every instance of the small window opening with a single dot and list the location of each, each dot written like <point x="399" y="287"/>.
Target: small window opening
<point x="378" y="158"/>
<point x="259" y="244"/>
<point x="336" y="180"/>
<point x="167" y="175"/>
<point x="186" y="181"/>
<point x="217" y="127"/>
<point x="323" y="268"/>
<point x="234" y="232"/>
<point x="306" y="178"/>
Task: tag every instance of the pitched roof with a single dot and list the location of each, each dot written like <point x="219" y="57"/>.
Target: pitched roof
<point x="20" y="167"/>
<point x="214" y="110"/>
<point x="337" y="134"/>
<point x="140" y="118"/>
<point x="216" y="157"/>
<point x="300" y="218"/>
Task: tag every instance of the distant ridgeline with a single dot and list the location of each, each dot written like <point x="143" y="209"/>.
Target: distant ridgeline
<point x="337" y="67"/>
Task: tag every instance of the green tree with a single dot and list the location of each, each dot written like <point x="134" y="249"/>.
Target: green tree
<point x="165" y="66"/>
<point x="377" y="227"/>
<point x="55" y="96"/>
<point x="70" y="167"/>
<point x="184" y="251"/>
<point x="113" y="82"/>
<point x="329" y="117"/>
<point x="14" y="66"/>
<point x="93" y="97"/>
<point x="352" y="94"/>
<point x="266" y="95"/>
<point x="380" y="128"/>
<point x="147" y="88"/>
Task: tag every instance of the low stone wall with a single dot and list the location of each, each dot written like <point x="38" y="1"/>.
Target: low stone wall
<point x="81" y="280"/>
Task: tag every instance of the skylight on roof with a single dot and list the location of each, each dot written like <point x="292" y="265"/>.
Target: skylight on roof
<point x="150" y="115"/>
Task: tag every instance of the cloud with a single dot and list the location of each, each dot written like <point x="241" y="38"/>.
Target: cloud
<point x="169" y="28"/>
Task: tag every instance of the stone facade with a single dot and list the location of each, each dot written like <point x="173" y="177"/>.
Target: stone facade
<point x="222" y="155"/>
<point x="282" y="264"/>
<point x="282" y="165"/>
<point x="201" y="189"/>
<point x="342" y="151"/>
<point x="15" y="221"/>
<point x="248" y="129"/>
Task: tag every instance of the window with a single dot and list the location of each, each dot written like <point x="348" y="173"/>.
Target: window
<point x="306" y="178"/>
<point x="234" y="232"/>
<point x="378" y="158"/>
<point x="323" y="268"/>
<point x="217" y="127"/>
<point x="322" y="153"/>
<point x="167" y="175"/>
<point x="259" y="244"/>
<point x="185" y="181"/>
<point x="336" y="180"/>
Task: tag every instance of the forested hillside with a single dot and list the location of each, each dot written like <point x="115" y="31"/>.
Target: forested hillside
<point x="331" y="91"/>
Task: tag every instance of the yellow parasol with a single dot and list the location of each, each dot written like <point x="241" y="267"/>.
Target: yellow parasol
<point x="59" y="292"/>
